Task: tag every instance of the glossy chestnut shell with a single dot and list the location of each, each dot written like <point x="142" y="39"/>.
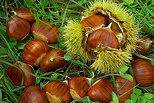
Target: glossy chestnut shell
<point x="46" y="31"/>
<point x="143" y="47"/>
<point x="17" y="28"/>
<point x="79" y="87"/>
<point x="101" y="91"/>
<point x="103" y="37"/>
<point x="25" y="13"/>
<point x="33" y="94"/>
<point x="17" y="74"/>
<point x="52" y="61"/>
<point x="34" y="51"/>
<point x="143" y="72"/>
<point x="94" y="21"/>
<point x="57" y="92"/>
<point x="124" y="86"/>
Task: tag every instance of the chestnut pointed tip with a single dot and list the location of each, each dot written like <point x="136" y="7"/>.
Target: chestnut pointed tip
<point x="14" y="12"/>
<point x="51" y="59"/>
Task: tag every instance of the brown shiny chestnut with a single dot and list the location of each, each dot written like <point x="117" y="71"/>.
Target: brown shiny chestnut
<point x="94" y="21"/>
<point x="25" y="13"/>
<point x="124" y="86"/>
<point x="34" y="51"/>
<point x="17" y="28"/>
<point x="33" y="94"/>
<point x="101" y="91"/>
<point x="52" y="61"/>
<point x="103" y="38"/>
<point x="45" y="31"/>
<point x="143" y="72"/>
<point x="16" y="75"/>
<point x="143" y="47"/>
<point x="57" y="92"/>
<point x="79" y="87"/>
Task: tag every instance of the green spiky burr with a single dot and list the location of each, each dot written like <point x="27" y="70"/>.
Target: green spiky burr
<point x="104" y="60"/>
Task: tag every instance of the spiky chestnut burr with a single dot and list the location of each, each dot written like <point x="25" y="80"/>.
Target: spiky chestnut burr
<point x="108" y="59"/>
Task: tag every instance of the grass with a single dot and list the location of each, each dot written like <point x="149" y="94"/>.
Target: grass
<point x="144" y="13"/>
<point x="58" y="12"/>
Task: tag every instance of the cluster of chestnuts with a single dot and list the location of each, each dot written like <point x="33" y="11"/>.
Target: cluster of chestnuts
<point x="107" y="37"/>
<point x="44" y="33"/>
<point x="142" y="68"/>
<point x="79" y="87"/>
<point x="37" y="53"/>
<point x="23" y="22"/>
<point x="143" y="72"/>
<point x="76" y="88"/>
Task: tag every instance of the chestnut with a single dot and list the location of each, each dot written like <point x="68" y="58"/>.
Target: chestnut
<point x="124" y="86"/>
<point x="52" y="61"/>
<point x="101" y="91"/>
<point x="34" y="51"/>
<point x="57" y="92"/>
<point x="25" y="13"/>
<point x="143" y="72"/>
<point x="104" y="38"/>
<point x="143" y="47"/>
<point x="17" y="74"/>
<point x="46" y="31"/>
<point x="120" y="1"/>
<point x="79" y="87"/>
<point x="17" y="28"/>
<point x="94" y="21"/>
<point x="33" y="94"/>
